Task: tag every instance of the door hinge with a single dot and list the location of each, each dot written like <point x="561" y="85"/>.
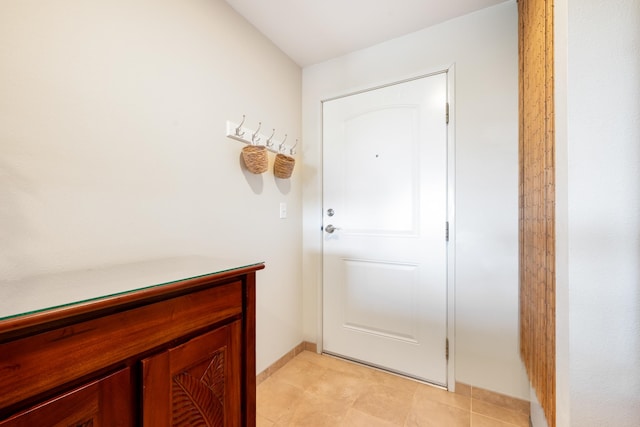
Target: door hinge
<point x="447" y="113"/>
<point x="447" y="349"/>
<point x="447" y="231"/>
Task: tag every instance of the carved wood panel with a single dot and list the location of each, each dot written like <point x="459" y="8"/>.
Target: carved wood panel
<point x="196" y="383"/>
<point x="198" y="393"/>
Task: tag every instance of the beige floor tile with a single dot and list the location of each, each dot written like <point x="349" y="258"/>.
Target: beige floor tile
<point x="319" y="390"/>
<point x="498" y="412"/>
<point x="276" y="400"/>
<point x="300" y="373"/>
<point x="318" y="411"/>
<point x="263" y="422"/>
<point x="478" y="420"/>
<point x="429" y="393"/>
<point x="434" y="414"/>
<point x="388" y="403"/>
<point x="312" y="357"/>
<point x="337" y="364"/>
<point x="339" y="385"/>
<point x="355" y="418"/>
<point x="391" y="380"/>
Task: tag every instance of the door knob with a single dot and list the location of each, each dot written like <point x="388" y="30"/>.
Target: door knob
<point x="330" y="228"/>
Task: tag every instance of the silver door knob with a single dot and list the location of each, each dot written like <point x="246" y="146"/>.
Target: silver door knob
<point x="330" y="228"/>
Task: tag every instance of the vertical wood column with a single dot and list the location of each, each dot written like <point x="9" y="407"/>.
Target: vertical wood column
<point x="537" y="199"/>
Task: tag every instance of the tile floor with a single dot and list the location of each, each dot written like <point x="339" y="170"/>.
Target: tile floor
<point x="319" y="390"/>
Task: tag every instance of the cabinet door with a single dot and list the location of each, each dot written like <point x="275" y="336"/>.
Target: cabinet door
<point x="195" y="384"/>
<point x="102" y="403"/>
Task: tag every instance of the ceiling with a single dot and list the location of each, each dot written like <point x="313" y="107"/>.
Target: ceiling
<point x="312" y="31"/>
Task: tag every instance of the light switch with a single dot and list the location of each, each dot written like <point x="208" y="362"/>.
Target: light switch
<point x="283" y="210"/>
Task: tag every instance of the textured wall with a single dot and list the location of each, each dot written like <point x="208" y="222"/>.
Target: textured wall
<point x="598" y="227"/>
<point x="113" y="147"/>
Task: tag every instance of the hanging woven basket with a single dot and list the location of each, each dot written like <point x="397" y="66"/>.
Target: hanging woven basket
<point x="255" y="158"/>
<point x="283" y="166"/>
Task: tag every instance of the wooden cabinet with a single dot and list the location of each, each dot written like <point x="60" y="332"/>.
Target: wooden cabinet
<point x="195" y="383"/>
<point x="166" y="355"/>
<point x="104" y="402"/>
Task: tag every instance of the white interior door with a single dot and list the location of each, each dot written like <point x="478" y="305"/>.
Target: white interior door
<point x="384" y="231"/>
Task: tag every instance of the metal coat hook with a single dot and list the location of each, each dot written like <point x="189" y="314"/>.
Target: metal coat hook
<point x="241" y="133"/>
<point x="238" y="133"/>
<point x="292" y="150"/>
<point x="254" y="138"/>
<point x="281" y="146"/>
<point x="270" y="139"/>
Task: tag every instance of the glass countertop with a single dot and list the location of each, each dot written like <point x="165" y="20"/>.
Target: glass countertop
<point x="45" y="292"/>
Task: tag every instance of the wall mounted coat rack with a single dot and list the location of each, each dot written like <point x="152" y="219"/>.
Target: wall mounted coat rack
<point x="254" y="137"/>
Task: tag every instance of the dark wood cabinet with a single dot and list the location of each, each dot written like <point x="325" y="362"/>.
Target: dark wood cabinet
<point x="104" y="402"/>
<point x="173" y="354"/>
<point x="195" y="383"/>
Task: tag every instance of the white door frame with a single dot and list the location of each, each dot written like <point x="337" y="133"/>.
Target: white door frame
<point x="451" y="163"/>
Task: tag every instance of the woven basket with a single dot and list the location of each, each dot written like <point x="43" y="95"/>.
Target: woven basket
<point x="283" y="166"/>
<point x="255" y="158"/>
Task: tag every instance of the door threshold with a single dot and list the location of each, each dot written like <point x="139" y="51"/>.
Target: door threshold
<point x="385" y="370"/>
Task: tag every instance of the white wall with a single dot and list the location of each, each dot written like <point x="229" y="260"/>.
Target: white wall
<point x="598" y="144"/>
<point x="483" y="47"/>
<point x="112" y="146"/>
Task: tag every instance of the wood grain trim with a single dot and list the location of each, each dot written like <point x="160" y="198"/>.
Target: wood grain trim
<point x="537" y="199"/>
<point x="249" y="356"/>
